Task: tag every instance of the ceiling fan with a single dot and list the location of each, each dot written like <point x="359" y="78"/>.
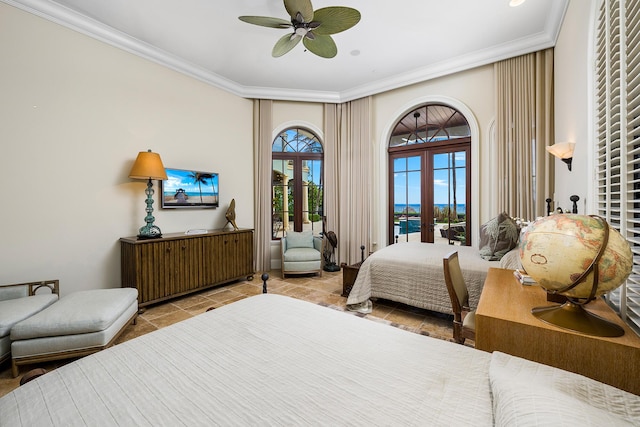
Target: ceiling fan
<point x="313" y="28"/>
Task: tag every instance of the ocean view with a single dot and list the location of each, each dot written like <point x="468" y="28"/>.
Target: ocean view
<point x="415" y="208"/>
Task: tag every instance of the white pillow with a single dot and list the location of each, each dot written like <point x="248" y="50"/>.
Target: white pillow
<point x="527" y="393"/>
<point x="511" y="260"/>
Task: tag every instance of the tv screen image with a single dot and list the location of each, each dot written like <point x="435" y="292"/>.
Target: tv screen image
<point x="189" y="189"/>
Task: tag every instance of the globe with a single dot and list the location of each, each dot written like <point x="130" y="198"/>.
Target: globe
<point x="578" y="256"/>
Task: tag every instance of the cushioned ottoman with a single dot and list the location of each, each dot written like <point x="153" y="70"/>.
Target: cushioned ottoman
<point x="78" y="324"/>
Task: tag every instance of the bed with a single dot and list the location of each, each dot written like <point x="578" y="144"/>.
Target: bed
<point x="421" y="282"/>
<point x="275" y="360"/>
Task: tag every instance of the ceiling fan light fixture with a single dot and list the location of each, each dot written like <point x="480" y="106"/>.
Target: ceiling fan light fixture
<point x="314" y="28"/>
<point x="298" y="19"/>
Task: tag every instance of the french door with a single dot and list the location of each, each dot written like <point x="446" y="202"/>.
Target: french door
<point x="430" y="194"/>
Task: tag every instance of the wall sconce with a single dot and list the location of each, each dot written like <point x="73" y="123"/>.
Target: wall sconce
<point x="148" y="166"/>
<point x="563" y="151"/>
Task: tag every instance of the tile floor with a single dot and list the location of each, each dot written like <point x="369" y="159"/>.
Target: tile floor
<point x="325" y="290"/>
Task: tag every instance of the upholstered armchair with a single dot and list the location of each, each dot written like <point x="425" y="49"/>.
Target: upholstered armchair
<point x="301" y="253"/>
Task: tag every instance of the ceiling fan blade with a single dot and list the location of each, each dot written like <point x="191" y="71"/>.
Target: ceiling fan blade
<point x="303" y="6"/>
<point x="285" y="44"/>
<point x="266" y="21"/>
<point x="321" y="45"/>
<point x="335" y="19"/>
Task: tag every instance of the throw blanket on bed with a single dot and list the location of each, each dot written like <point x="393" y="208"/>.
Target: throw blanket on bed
<point x="412" y="273"/>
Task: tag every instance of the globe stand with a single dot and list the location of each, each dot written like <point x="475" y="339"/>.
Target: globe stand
<point x="574" y="317"/>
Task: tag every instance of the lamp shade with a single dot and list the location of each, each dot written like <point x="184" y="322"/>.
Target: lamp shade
<point x="148" y="165"/>
<point x="562" y="150"/>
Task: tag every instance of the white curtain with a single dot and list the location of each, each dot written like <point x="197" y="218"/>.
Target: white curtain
<point x="262" y="164"/>
<point x="348" y="163"/>
<point x="524" y="127"/>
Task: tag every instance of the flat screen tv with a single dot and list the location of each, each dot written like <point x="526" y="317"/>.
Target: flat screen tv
<point x="189" y="189"/>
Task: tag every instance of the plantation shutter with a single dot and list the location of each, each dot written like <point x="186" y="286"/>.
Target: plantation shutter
<point x="632" y="66"/>
<point x="618" y="136"/>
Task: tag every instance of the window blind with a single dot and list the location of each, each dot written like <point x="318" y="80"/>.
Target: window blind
<point x="617" y="92"/>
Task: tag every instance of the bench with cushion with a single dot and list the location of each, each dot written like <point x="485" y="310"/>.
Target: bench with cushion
<point x="18" y="302"/>
<point x="79" y="324"/>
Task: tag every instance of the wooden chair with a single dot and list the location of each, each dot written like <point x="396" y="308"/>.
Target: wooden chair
<point x="464" y="319"/>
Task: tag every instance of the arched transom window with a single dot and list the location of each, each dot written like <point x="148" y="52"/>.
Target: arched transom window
<point x="428" y="124"/>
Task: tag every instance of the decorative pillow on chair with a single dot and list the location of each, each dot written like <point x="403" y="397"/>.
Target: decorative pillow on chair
<point x="303" y="239"/>
<point x="497" y="237"/>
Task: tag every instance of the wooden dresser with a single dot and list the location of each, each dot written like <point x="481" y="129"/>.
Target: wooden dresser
<point x="504" y="323"/>
<point x="177" y="264"/>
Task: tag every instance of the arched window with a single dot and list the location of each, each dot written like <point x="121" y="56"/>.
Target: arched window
<point x="429" y="170"/>
<point x="297" y="183"/>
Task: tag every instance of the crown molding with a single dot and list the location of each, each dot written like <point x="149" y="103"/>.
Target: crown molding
<point x="71" y="19"/>
<point x="462" y="63"/>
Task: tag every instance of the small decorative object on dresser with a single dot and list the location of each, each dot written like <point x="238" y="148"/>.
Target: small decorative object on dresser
<point x="231" y="215"/>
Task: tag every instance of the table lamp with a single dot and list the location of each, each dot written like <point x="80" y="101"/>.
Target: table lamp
<point x="148" y="166"/>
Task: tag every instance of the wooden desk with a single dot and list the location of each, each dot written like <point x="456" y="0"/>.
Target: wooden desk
<point x="504" y="323"/>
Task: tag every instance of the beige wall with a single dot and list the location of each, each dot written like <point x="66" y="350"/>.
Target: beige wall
<point x="287" y="114"/>
<point x="74" y="113"/>
<point x="573" y="103"/>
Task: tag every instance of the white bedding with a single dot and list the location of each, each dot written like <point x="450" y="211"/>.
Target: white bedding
<point x="412" y="273"/>
<point x="274" y="360"/>
<point x="265" y="360"/>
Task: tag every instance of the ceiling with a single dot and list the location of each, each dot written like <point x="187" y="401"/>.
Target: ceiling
<point x="395" y="44"/>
